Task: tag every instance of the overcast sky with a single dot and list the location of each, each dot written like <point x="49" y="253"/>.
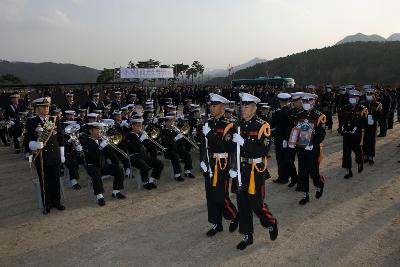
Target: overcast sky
<point x="101" y="33"/>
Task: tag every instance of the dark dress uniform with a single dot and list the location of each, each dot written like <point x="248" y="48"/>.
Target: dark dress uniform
<point x="115" y="105"/>
<point x="251" y="195"/>
<point x="92" y="106"/>
<point x="220" y="151"/>
<point x="140" y="160"/>
<point x="309" y="160"/>
<point x="71" y="160"/>
<point x="4" y="130"/>
<point x="353" y="130"/>
<point x="374" y="112"/>
<point x="97" y="166"/>
<point x="385" y="100"/>
<point x="68" y="106"/>
<point x="12" y="113"/>
<point x="51" y="157"/>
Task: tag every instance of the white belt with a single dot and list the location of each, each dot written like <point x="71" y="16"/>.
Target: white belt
<point x="220" y="155"/>
<point x="249" y="161"/>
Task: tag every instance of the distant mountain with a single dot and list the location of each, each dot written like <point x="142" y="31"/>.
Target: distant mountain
<point x="225" y="72"/>
<point x="359" y="37"/>
<point x="394" y="37"/>
<point x="48" y="72"/>
<point x="350" y="63"/>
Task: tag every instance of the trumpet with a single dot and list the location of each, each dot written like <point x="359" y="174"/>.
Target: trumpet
<point x="184" y="130"/>
<point x="152" y="135"/>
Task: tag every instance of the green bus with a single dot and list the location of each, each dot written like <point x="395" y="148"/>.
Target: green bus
<point x="276" y="81"/>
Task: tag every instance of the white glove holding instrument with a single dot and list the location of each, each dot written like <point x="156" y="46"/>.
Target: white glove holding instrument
<point x="206" y="129"/>
<point x="12" y="123"/>
<point x="309" y="148"/>
<point x="104" y="143"/>
<point x="354" y="130"/>
<point x="79" y="148"/>
<point x="284" y="144"/>
<point x="370" y="120"/>
<point x="203" y="166"/>
<point x="128" y="172"/>
<point x="232" y="173"/>
<point x="143" y="137"/>
<point x="238" y="139"/>
<point x="62" y="154"/>
<point x="179" y="136"/>
<point x="124" y="123"/>
<point x="34" y="145"/>
<point x="292" y="146"/>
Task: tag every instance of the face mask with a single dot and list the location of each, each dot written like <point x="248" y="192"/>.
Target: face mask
<point x="342" y="92"/>
<point x="369" y="97"/>
<point x="306" y="106"/>
<point x="353" y="101"/>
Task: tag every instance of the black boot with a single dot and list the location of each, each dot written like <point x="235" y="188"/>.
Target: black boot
<point x="189" y="175"/>
<point x="147" y="186"/>
<point x="280" y="181"/>
<point x="59" y="207"/>
<point x="76" y="187"/>
<point x="305" y="199"/>
<point x="118" y="195"/>
<point x="101" y="201"/>
<point x="246" y="241"/>
<point x="349" y="175"/>
<point x="360" y="167"/>
<point x="179" y="178"/>
<point x="234" y="225"/>
<point x="215" y="229"/>
<point x="292" y="183"/>
<point x="319" y="192"/>
<point x="273" y="231"/>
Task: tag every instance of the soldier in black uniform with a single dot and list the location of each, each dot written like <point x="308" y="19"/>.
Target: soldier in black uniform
<point x="95" y="103"/>
<point x="12" y="114"/>
<point x="253" y="142"/>
<point x="374" y="114"/>
<point x="116" y="104"/>
<point x="217" y="151"/>
<point x="308" y="154"/>
<point x="353" y="128"/>
<point x="97" y="150"/>
<point x="281" y="127"/>
<point x="81" y="116"/>
<point x="175" y="151"/>
<point x="69" y="103"/>
<point x="4" y="128"/>
<point x="48" y="155"/>
<point x="385" y="100"/>
<point x="134" y="141"/>
<point x="342" y="99"/>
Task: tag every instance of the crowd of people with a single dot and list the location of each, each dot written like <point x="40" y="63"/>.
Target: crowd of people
<point x="114" y="132"/>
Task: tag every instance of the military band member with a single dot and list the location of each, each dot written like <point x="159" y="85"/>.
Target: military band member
<point x="95" y="103"/>
<point x="81" y="116"/>
<point x="12" y="115"/>
<point x="97" y="150"/>
<point x="116" y="104"/>
<point x="353" y="131"/>
<point x="69" y="103"/>
<point x="48" y="154"/>
<point x="4" y="125"/>
<point x="253" y="141"/>
<point x="309" y="154"/>
<point x="215" y="158"/>
<point x="134" y="141"/>
<point x="373" y="117"/>
<point x="175" y="150"/>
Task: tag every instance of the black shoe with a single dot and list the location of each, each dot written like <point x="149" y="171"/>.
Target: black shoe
<point x="297" y="188"/>
<point x="349" y="175"/>
<point x="305" y="199"/>
<point x="147" y="186"/>
<point x="292" y="183"/>
<point x="153" y="185"/>
<point x="371" y="162"/>
<point x="47" y="210"/>
<point x="59" y="207"/>
<point x="118" y="195"/>
<point x="17" y="151"/>
<point x="319" y="192"/>
<point x="360" y="167"/>
<point x="280" y="181"/>
<point x="215" y="229"/>
<point x="179" y="178"/>
<point x="76" y="187"/>
<point x="234" y="225"/>
<point x="273" y="231"/>
<point x="189" y="175"/>
<point x="101" y="201"/>
<point x="365" y="160"/>
<point x="246" y="241"/>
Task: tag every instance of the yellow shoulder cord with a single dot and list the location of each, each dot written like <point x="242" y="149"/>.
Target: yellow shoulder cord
<point x="321" y="119"/>
<point x="227" y="128"/>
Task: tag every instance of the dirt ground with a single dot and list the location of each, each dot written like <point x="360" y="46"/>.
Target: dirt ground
<point x="355" y="223"/>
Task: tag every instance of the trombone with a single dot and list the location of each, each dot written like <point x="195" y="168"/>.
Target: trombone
<point x="184" y="130"/>
<point x="113" y="141"/>
<point x="152" y="135"/>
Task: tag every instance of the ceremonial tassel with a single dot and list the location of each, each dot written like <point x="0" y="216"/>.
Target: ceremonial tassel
<point x="252" y="184"/>
<point x="215" y="178"/>
<point x="321" y="153"/>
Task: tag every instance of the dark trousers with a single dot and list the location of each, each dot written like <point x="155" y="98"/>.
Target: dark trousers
<point x="71" y="162"/>
<point x="391" y="120"/>
<point x="218" y="202"/>
<point x="51" y="184"/>
<point x="351" y="142"/>
<point x="175" y="156"/>
<point x="96" y="173"/>
<point x="285" y="158"/>
<point x="309" y="167"/>
<point x="3" y="136"/>
<point x="248" y="203"/>
<point x="280" y="160"/>
<point x="145" y="164"/>
<point x="383" y="123"/>
<point x="16" y="132"/>
<point x="370" y="141"/>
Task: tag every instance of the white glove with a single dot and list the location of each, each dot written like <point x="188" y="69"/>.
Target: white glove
<point x="62" y="154"/>
<point x="179" y="136"/>
<point x="206" y="129"/>
<point x="203" y="166"/>
<point x="124" y="123"/>
<point x="33" y="145"/>
<point x="309" y="148"/>
<point x="232" y="173"/>
<point x="104" y="143"/>
<point x="291" y="146"/>
<point x="354" y="130"/>
<point x="12" y="123"/>
<point x="143" y="137"/>
<point x="284" y="144"/>
<point x="370" y="120"/>
<point x="128" y="172"/>
<point x="79" y="148"/>
<point x="238" y="139"/>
